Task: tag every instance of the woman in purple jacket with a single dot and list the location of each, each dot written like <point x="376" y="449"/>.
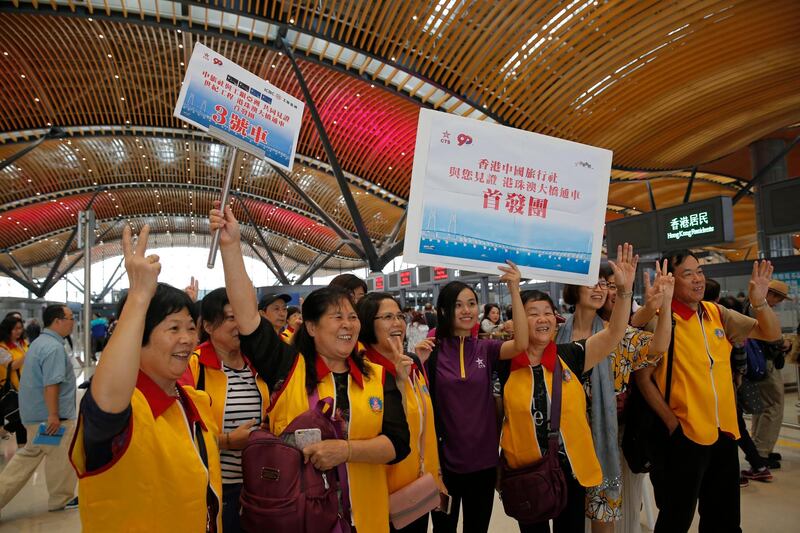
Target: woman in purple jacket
<point x="459" y="368"/>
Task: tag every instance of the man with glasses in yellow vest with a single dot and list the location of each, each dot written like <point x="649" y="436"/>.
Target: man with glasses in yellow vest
<point x="701" y="461"/>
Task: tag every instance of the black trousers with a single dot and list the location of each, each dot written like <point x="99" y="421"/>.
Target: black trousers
<point x="692" y="473"/>
<point x="230" y="507"/>
<point x="571" y="519"/>
<point x="475" y="491"/>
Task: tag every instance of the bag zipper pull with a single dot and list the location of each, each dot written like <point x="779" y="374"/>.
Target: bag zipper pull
<point x="325" y="480"/>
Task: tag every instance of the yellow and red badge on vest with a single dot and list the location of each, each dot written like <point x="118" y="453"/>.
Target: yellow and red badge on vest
<point x="376" y="404"/>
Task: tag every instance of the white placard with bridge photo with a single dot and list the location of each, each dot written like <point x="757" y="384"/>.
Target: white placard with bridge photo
<point x="482" y="193"/>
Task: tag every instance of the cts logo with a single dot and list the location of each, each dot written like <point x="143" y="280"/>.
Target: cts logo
<point x="463" y="139"/>
<point x="217" y="61"/>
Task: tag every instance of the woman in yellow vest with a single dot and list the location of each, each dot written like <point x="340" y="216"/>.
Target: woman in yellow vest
<point x="322" y="362"/>
<point x="294" y="319"/>
<point x="239" y="397"/>
<point x="12" y="350"/>
<point x="383" y="328"/>
<point x="526" y="395"/>
<point x="145" y="448"/>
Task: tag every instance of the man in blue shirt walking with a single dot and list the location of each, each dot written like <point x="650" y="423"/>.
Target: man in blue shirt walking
<point x="46" y="396"/>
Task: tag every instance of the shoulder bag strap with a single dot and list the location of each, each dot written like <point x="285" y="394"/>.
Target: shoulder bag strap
<point x="6" y="386"/>
<point x="201" y="379"/>
<point x="670" y="357"/>
<point x="555" y="403"/>
<point x="423" y="422"/>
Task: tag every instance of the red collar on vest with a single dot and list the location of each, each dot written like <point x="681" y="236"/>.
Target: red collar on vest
<point x="208" y="356"/>
<point x="376" y="357"/>
<point x="159" y="401"/>
<point x="684" y="311"/>
<point x="290" y="329"/>
<point x="548" y="359"/>
<point x="323" y="370"/>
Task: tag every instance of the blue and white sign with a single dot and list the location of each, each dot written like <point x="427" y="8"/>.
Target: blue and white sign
<point x="239" y="108"/>
<point x="483" y="193"/>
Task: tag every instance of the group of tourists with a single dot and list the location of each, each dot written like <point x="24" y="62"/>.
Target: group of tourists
<point x="176" y="396"/>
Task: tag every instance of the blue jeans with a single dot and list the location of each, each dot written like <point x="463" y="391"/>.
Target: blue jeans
<point x="231" y="507"/>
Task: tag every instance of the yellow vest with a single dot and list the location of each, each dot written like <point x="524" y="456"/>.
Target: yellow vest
<point x="369" y="494"/>
<point x="518" y="439"/>
<point x="287" y="334"/>
<point x="417" y="400"/>
<point x="216" y="382"/>
<point x="158" y="482"/>
<point x="702" y="395"/>
<point x="17" y="352"/>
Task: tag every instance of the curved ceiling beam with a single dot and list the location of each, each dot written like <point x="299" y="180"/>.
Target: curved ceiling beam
<point x="120" y="130"/>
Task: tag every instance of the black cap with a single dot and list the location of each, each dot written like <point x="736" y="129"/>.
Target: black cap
<point x="269" y="298"/>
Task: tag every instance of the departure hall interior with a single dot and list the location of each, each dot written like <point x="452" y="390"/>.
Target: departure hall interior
<point x="699" y="102"/>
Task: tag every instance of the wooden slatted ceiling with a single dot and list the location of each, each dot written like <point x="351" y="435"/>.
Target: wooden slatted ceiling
<point x="75" y="163"/>
<point x="25" y="223"/>
<point x="662" y="84"/>
<point x="132" y="75"/>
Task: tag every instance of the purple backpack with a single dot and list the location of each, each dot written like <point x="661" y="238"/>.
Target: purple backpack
<point x="280" y="492"/>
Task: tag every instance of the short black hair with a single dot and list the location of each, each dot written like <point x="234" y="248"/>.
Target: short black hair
<point x="315" y="305"/>
<point x="165" y="301"/>
<point x="351" y="282"/>
<point x="534" y="295"/>
<point x="712" y="290"/>
<point x="292" y="310"/>
<point x="51" y="313"/>
<point x="446" y="307"/>
<point x="212" y="310"/>
<point x="675" y="258"/>
<point x="367" y="310"/>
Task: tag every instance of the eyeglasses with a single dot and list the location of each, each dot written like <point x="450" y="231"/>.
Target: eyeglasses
<point x="400" y="317"/>
<point x="603" y="284"/>
<point x="68" y="317"/>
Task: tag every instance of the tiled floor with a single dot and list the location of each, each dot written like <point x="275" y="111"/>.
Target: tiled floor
<point x="766" y="507"/>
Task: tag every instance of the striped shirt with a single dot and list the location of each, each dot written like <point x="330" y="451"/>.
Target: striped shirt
<point x="243" y="403"/>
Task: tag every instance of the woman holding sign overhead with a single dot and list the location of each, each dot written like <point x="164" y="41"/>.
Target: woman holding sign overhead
<point x="322" y="362"/>
<point x="459" y="368"/>
<point x="145" y="448"/>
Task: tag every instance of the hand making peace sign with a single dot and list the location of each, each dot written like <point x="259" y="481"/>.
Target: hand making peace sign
<point x="142" y="270"/>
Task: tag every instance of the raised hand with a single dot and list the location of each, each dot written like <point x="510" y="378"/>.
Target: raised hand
<point x="624" y="267"/>
<point x="424" y="348"/>
<point x="511" y="275"/>
<point x="193" y="289"/>
<point x="665" y="283"/>
<point x="228" y="224"/>
<point x="759" y="282"/>
<point x="142" y="270"/>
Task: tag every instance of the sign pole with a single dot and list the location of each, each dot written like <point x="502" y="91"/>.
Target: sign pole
<point x="226" y="189"/>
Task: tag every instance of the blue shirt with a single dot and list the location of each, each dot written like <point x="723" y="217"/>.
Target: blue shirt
<point x="46" y="363"/>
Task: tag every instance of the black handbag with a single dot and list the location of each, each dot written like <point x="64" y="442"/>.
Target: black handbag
<point x="645" y="436"/>
<point x="9" y="404"/>
<point x="538" y="492"/>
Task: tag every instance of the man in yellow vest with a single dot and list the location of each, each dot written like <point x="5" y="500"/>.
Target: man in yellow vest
<point x="701" y="460"/>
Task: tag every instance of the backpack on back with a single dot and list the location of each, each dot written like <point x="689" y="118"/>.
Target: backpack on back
<point x="756" y="360"/>
<point x="280" y="489"/>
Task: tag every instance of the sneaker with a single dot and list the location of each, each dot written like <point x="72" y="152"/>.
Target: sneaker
<point x="774" y="456"/>
<point x="761" y="474"/>
<point x="72" y="504"/>
<point x="743" y="482"/>
<point x="772" y="464"/>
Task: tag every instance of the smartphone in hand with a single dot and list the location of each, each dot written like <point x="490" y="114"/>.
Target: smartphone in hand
<point x="306" y="437"/>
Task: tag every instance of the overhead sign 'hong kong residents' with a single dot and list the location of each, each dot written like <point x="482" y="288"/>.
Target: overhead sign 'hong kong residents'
<point x="483" y="193"/>
<point x="239" y="108"/>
